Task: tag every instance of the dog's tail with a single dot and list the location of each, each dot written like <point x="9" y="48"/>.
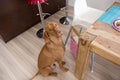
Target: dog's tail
<point x="35" y="75"/>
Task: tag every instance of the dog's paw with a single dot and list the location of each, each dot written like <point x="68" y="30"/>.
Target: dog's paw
<point x="64" y="69"/>
<point x="63" y="62"/>
<point x="53" y="74"/>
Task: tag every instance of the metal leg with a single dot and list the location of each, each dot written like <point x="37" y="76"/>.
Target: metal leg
<point x="66" y="20"/>
<point x="68" y="36"/>
<point x="40" y="32"/>
<point x="92" y="62"/>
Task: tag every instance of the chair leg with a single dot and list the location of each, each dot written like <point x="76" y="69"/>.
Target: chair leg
<point x="92" y="62"/>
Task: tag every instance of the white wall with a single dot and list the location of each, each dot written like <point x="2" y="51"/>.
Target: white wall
<point x="96" y="3"/>
<point x="117" y="0"/>
<point x="100" y="4"/>
<point x="71" y="2"/>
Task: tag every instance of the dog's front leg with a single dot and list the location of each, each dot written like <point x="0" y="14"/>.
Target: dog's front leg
<point x="61" y="64"/>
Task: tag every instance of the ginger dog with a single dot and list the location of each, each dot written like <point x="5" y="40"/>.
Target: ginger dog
<point x="52" y="51"/>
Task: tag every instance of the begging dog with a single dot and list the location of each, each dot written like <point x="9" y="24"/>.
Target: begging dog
<point x="52" y="51"/>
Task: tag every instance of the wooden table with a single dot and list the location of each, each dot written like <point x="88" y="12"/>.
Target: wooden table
<point x="101" y="39"/>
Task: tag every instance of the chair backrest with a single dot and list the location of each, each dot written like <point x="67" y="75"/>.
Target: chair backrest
<point x="82" y="6"/>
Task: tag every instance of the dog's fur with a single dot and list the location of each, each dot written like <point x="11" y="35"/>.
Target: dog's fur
<point x="52" y="51"/>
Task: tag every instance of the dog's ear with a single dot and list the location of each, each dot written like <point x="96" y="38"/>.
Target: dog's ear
<point x="46" y="37"/>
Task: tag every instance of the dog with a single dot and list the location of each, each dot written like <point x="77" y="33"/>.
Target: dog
<point x="52" y="51"/>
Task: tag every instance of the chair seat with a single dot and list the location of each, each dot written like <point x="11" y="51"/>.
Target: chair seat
<point x="91" y="15"/>
<point x="88" y="16"/>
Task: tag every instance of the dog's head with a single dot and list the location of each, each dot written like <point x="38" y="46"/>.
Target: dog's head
<point x="52" y="30"/>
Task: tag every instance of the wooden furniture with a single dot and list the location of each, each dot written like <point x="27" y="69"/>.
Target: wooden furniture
<point x="101" y="39"/>
<point x="16" y="16"/>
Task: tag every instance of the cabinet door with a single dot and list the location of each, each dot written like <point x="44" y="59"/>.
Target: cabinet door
<point x="16" y="16"/>
<point x="61" y="3"/>
<point x="52" y="6"/>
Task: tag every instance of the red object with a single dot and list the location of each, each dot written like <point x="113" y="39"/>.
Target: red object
<point x="73" y="47"/>
<point x="35" y="2"/>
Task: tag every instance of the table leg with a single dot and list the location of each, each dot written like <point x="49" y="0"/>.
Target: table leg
<point x="92" y="62"/>
<point x="82" y="58"/>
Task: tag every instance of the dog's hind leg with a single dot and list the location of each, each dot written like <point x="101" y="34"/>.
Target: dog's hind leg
<point x="53" y="74"/>
<point x="61" y="64"/>
<point x="47" y="71"/>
